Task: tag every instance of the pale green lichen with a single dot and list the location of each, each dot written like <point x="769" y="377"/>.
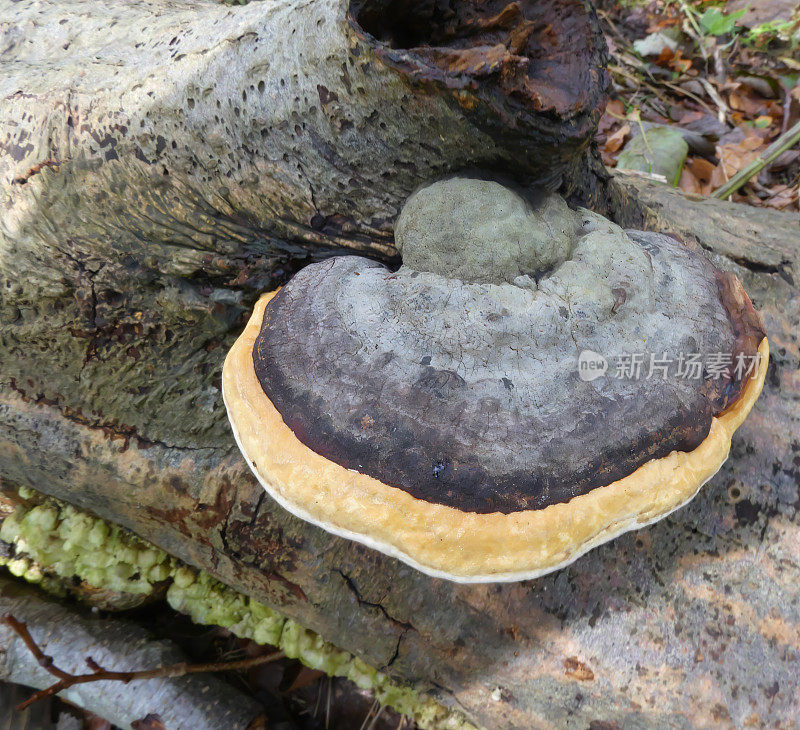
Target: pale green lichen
<point x="70" y="543"/>
<point x="53" y="539"/>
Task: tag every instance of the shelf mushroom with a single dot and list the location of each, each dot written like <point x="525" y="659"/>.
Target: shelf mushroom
<point x="532" y="382"/>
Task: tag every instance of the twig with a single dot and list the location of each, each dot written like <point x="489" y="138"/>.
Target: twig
<point x="724" y="111"/>
<point x="328" y="704"/>
<point x="783" y="143"/>
<point x="689" y="13"/>
<point x="683" y="92"/>
<point x="375" y="719"/>
<point x="67" y="680"/>
<point x="614" y="68"/>
<point x="374" y="706"/>
<point x="637" y="117"/>
<point x="654" y="176"/>
<point x="319" y="697"/>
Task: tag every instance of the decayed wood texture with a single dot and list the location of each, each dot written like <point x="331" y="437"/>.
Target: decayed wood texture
<point x="128" y="265"/>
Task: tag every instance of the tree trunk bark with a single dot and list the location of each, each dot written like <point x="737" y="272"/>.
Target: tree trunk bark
<point x="162" y="163"/>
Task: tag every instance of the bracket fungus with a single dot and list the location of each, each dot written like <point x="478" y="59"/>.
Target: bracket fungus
<point x="440" y="413"/>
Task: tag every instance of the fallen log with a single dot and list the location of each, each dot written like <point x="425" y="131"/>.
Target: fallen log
<point x="154" y="184"/>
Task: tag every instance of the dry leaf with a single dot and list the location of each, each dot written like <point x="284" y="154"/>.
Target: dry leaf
<point x="784" y="198"/>
<point x="691" y="116"/>
<point x="740" y="100"/>
<point x="734" y="157"/>
<point x="679" y="63"/>
<point x="664" y="58"/>
<point x="702" y="170"/>
<point x="616" y="140"/>
<point x="791" y="109"/>
<point x="689" y="183"/>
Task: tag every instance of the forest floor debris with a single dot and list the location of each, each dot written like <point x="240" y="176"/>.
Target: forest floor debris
<point x="725" y="75"/>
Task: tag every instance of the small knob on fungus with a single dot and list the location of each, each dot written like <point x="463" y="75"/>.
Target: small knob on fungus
<point x="479" y="231"/>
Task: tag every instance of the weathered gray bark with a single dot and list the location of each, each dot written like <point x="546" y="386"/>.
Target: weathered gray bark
<point x="128" y="266"/>
<point x="171" y="159"/>
<point x="191" y="702"/>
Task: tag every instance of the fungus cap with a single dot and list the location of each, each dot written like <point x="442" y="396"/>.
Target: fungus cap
<point x="446" y="420"/>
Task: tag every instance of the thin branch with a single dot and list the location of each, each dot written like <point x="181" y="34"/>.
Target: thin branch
<point x="373" y="707"/>
<point x="67" y="680"/>
<point x="639" y="66"/>
<point x="328" y="704"/>
<point x="783" y="143"/>
<point x="688" y="94"/>
<point x="724" y="111"/>
<point x="377" y="717"/>
<point x="689" y="13"/>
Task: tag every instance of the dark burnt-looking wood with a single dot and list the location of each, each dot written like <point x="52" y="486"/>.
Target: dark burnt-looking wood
<point x="517" y="70"/>
<point x="123" y="288"/>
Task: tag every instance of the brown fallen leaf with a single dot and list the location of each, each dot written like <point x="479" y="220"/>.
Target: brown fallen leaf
<point x="742" y="100"/>
<point x="679" y="63"/>
<point x="616" y="140"/>
<point x="702" y="170"/>
<point x="614" y="112"/>
<point x="576" y="669"/>
<point x="689" y="183"/>
<point x="791" y="108"/>
<point x="734" y="157"/>
<point x="785" y="197"/>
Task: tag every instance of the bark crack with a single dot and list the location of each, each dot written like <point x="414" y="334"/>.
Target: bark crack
<point x="257" y="508"/>
<point x="759" y="267"/>
<point x="93" y="332"/>
<point x="350" y="583"/>
<point x="396" y="653"/>
<point x="782" y="269"/>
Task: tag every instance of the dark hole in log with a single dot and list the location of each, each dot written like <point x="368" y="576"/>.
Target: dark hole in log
<point x="538" y="53"/>
<point x="456" y="24"/>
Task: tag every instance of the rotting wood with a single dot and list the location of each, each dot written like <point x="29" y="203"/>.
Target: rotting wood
<point x="128" y="265"/>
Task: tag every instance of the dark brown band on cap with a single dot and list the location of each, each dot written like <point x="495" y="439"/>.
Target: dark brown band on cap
<point x="430" y="434"/>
